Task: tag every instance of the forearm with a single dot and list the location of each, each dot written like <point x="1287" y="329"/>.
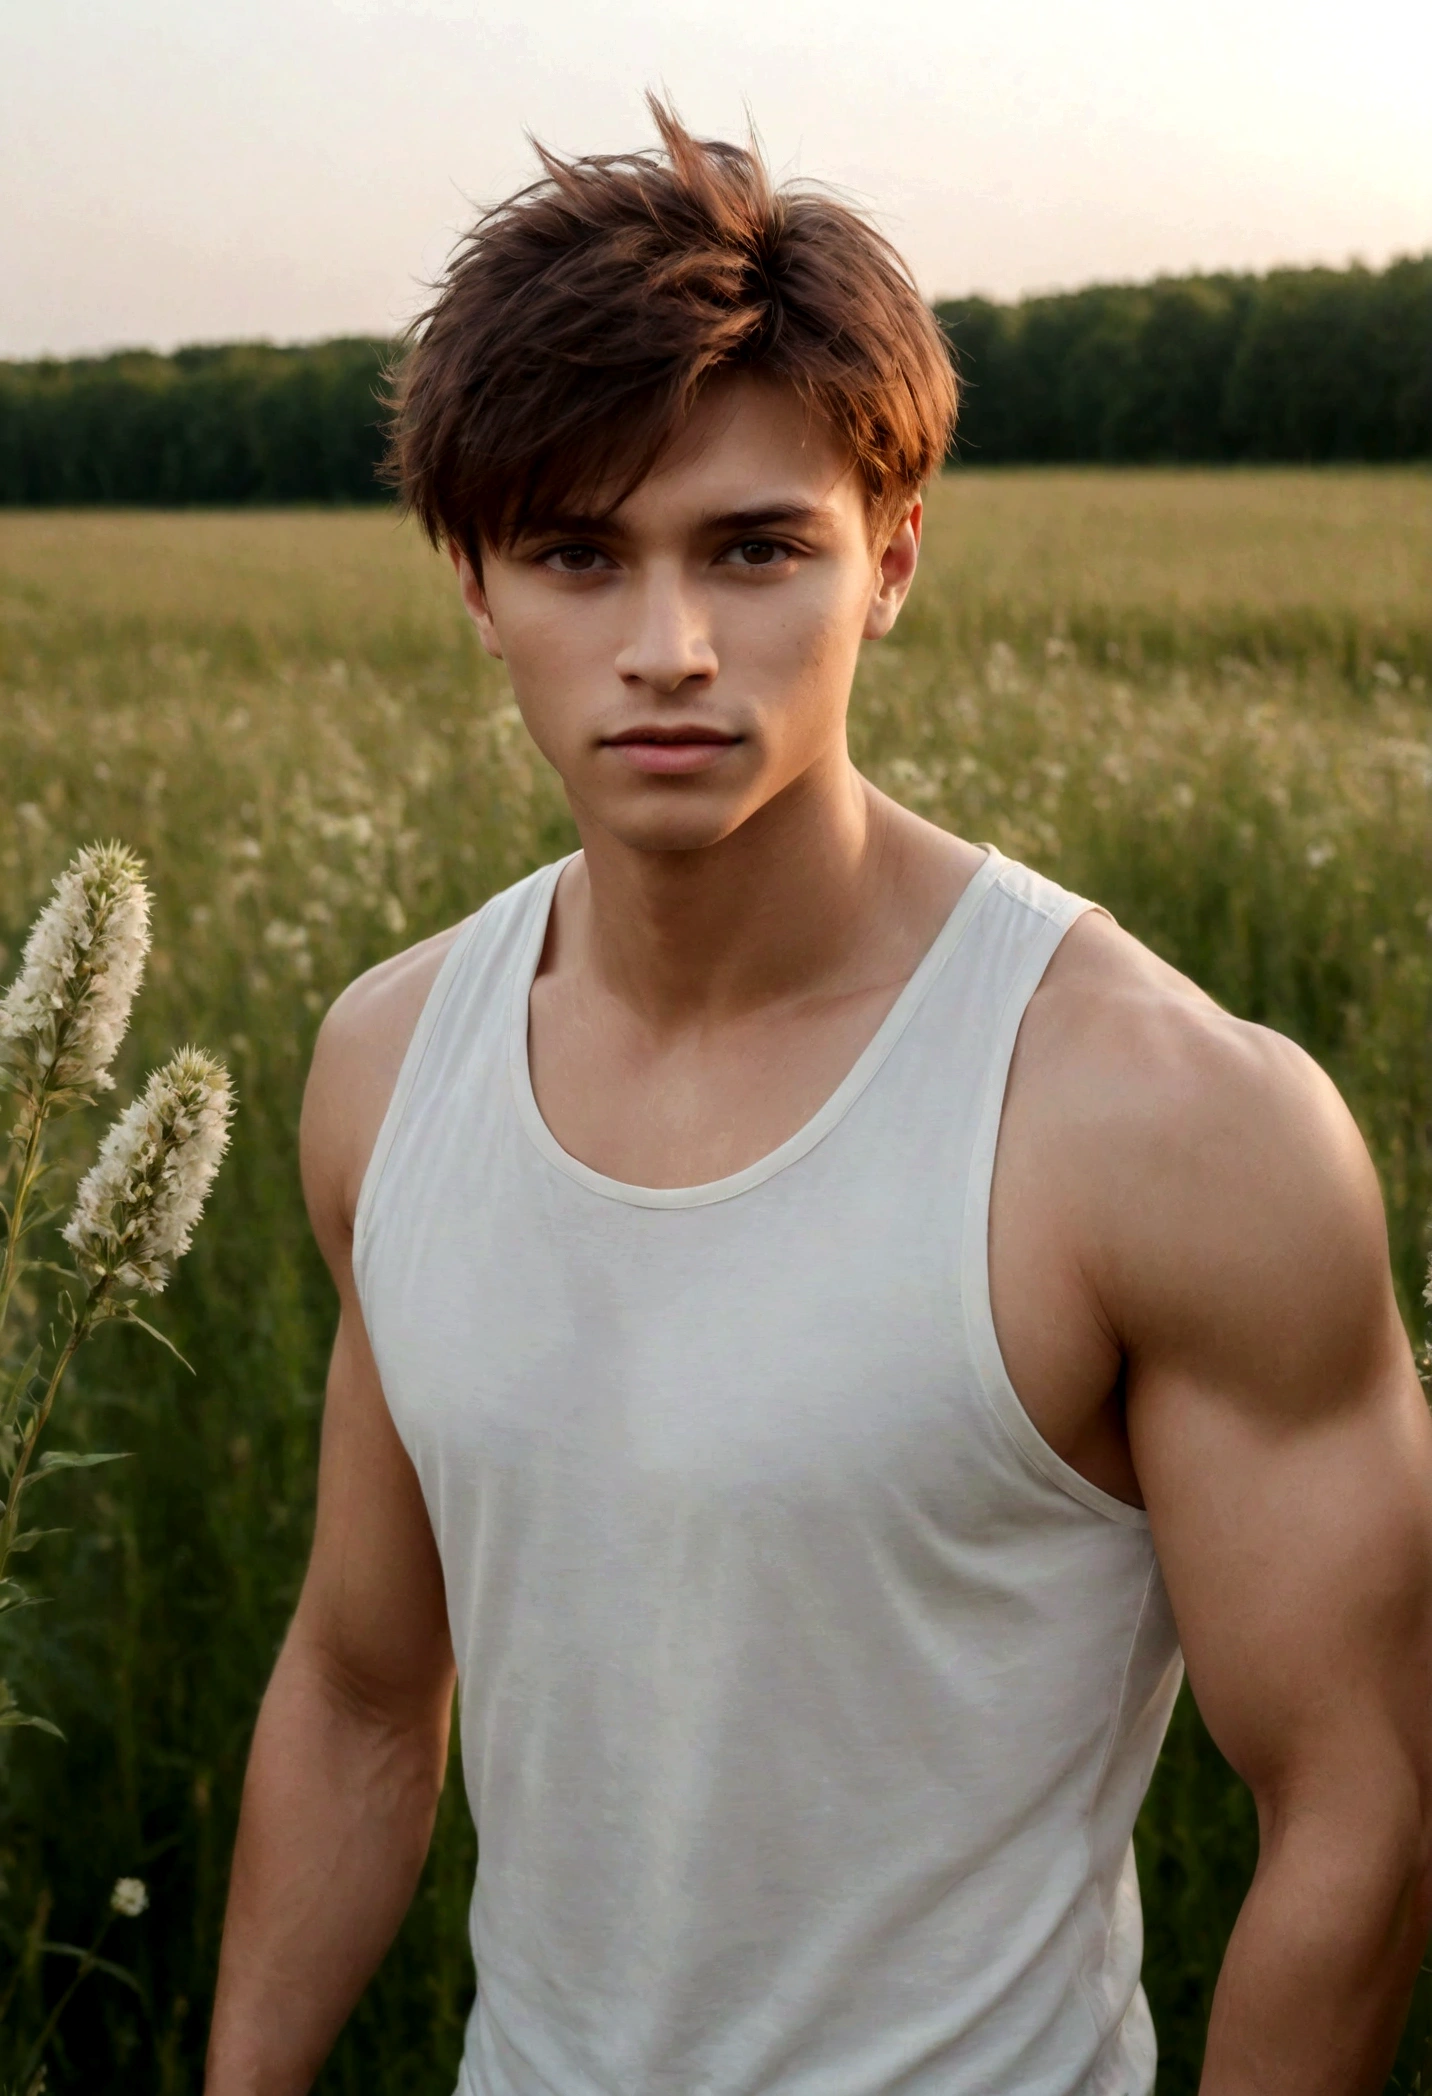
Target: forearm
<point x="337" y="1814"/>
<point x="1315" y="1984"/>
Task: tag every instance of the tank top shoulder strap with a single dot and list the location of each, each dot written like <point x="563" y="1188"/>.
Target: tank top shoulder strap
<point x="1040" y="896"/>
<point x="1019" y="929"/>
<point x="991" y="959"/>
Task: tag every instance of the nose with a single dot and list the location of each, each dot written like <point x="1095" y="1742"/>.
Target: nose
<point x="668" y="646"/>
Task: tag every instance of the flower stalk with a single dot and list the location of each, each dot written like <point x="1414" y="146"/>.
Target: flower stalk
<point x="128" y="1900"/>
<point x="14" y="1217"/>
<point x="84" y="1323"/>
<point x="135" y="1210"/>
<point x="61" y="1024"/>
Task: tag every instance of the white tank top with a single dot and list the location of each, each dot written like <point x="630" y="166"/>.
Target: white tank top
<point x="807" y="1696"/>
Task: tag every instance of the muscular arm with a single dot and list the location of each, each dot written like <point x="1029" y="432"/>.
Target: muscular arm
<point x="1186" y="1196"/>
<point x="1282" y="1446"/>
<point x="350" y="1748"/>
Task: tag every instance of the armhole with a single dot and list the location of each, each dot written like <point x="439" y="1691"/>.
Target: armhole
<point x="980" y="1332"/>
<point x="408" y="1069"/>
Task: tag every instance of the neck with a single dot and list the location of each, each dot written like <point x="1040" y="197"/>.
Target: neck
<point x="775" y="910"/>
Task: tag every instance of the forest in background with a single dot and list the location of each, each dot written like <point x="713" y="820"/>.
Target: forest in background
<point x="1300" y="366"/>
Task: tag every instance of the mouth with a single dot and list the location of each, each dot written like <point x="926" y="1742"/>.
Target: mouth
<point x="669" y="748"/>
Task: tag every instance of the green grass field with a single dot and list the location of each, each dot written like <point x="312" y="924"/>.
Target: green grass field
<point x="1201" y="698"/>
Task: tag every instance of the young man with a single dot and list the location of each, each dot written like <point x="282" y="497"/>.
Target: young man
<point x="826" y="1316"/>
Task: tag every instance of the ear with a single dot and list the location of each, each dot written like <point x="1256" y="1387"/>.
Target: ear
<point x="895" y="574"/>
<point x="474" y="598"/>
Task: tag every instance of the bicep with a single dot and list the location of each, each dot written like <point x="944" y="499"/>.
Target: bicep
<point x="1284" y="1450"/>
<point x="1298" y="1561"/>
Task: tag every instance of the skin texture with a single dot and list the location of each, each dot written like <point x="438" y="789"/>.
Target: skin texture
<point x="1188" y="1257"/>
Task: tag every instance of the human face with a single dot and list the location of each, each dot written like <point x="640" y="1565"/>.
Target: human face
<point x="688" y="657"/>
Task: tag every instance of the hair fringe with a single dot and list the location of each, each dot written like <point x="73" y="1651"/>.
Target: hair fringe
<point x="580" y="319"/>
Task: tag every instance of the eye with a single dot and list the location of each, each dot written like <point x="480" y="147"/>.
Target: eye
<point x="574" y="560"/>
<point x="757" y="553"/>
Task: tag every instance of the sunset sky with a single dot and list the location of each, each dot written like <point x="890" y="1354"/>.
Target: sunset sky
<point x="191" y="170"/>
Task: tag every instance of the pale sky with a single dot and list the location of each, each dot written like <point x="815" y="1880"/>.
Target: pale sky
<point x="203" y="170"/>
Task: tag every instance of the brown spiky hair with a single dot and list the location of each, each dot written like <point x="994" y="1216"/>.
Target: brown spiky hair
<point x="579" y="322"/>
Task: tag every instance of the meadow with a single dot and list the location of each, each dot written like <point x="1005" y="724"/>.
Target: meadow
<point x="1203" y="698"/>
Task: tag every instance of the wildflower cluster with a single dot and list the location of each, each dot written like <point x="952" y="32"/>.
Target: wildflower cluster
<point x="137" y="1206"/>
<point x="64" y="1016"/>
<point x="61" y="1023"/>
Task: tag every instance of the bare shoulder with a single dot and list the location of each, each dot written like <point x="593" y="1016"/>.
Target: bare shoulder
<point x="1147" y="1042"/>
<point x="356" y="1060"/>
<point x="1222" y="1197"/>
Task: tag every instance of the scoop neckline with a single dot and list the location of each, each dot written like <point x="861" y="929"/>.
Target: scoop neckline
<point x="822" y="1121"/>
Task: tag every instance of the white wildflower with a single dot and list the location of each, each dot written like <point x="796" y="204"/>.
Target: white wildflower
<point x="130" y="1897"/>
<point x="137" y="1206"/>
<point x="64" y="1016"/>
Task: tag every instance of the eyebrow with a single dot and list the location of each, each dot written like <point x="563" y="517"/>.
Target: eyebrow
<point x="769" y="515"/>
<point x="764" y="516"/>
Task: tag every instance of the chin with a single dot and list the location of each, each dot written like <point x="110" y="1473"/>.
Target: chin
<point x="672" y="823"/>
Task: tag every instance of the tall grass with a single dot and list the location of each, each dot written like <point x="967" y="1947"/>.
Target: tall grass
<point x="1201" y="699"/>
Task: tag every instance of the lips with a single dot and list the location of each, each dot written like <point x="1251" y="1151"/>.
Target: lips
<point x="693" y="732"/>
<point x="671" y="749"/>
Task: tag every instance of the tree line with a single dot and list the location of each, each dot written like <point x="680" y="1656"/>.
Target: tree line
<point x="1299" y="366"/>
<point x="1303" y="365"/>
<point x="238" y="423"/>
